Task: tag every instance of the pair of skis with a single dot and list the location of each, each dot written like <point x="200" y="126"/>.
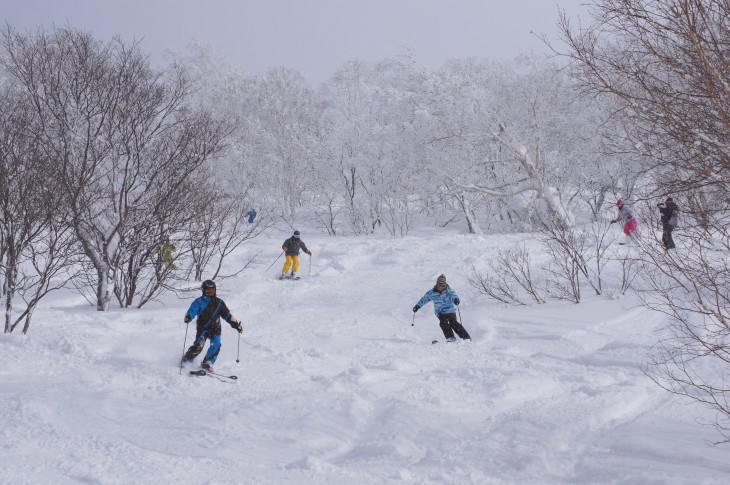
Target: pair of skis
<point x="202" y="372"/>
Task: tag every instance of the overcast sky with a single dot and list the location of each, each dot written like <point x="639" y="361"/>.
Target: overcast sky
<point x="313" y="36"/>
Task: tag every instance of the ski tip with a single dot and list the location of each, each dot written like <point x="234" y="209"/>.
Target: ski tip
<point x="434" y="342"/>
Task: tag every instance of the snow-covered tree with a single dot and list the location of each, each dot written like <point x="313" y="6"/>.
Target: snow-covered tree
<point x="36" y="247"/>
<point x="665" y="63"/>
<point x="281" y="125"/>
<point x="120" y="133"/>
<point x="374" y="130"/>
<point x="511" y="131"/>
<point x="346" y="124"/>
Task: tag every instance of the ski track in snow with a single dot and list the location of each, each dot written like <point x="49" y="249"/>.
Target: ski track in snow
<point x="336" y="386"/>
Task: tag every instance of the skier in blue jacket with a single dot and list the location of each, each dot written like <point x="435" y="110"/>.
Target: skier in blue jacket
<point x="444" y="299"/>
<point x="209" y="309"/>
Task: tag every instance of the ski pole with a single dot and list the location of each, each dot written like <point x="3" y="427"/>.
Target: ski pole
<point x="414" y="319"/>
<point x="459" y="310"/>
<point x="277" y="259"/>
<point x="310" y="266"/>
<point x="238" y="352"/>
<point x="185" y="342"/>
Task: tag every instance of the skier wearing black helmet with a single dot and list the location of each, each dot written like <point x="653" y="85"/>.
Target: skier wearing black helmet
<point x="291" y="248"/>
<point x="209" y="309"/>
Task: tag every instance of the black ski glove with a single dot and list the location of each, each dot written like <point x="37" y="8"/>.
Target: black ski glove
<point x="235" y="324"/>
<point x="415" y="308"/>
<point x="187" y="318"/>
<point x="456" y="301"/>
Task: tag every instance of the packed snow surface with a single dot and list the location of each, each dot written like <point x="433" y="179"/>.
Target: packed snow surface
<point x="336" y="386"/>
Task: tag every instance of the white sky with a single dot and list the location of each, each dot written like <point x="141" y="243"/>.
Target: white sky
<point x="314" y="36"/>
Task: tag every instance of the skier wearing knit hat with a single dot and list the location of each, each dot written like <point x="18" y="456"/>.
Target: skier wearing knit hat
<point x="625" y="217"/>
<point x="444" y="300"/>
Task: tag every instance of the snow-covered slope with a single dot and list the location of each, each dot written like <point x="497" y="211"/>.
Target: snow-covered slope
<point x="336" y="386"/>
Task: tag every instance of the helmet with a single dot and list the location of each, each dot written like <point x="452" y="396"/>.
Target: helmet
<point x="207" y="284"/>
<point x="296" y="234"/>
<point x="620" y="202"/>
<point x="670" y="199"/>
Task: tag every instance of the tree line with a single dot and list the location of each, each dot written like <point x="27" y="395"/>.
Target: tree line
<point x="121" y="178"/>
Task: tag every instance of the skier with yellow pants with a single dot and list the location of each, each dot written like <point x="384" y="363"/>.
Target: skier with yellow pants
<point x="291" y="248"/>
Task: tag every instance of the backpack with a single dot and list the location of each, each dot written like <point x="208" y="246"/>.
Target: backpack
<point x="673" y="220"/>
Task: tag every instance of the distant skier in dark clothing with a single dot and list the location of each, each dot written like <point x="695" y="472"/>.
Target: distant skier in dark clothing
<point x="209" y="309"/>
<point x="444" y="299"/>
<point x="669" y="211"/>
<point x="291" y="248"/>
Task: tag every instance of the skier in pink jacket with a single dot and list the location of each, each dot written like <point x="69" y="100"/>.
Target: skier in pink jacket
<point x="626" y="217"/>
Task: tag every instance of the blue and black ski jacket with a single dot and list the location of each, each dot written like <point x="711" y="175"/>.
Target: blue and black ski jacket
<point x="443" y="301"/>
<point x="209" y="310"/>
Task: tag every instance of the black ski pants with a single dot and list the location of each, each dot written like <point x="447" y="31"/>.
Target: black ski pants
<point x="667" y="236"/>
<point x="449" y="325"/>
